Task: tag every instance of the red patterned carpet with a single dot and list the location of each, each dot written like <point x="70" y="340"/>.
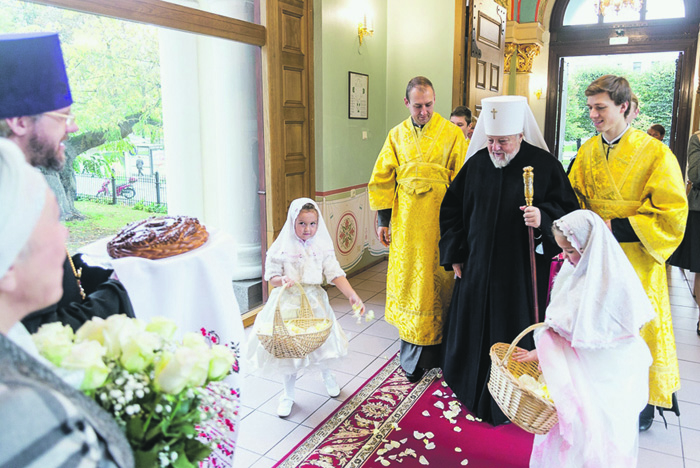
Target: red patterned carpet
<point x="391" y="422"/>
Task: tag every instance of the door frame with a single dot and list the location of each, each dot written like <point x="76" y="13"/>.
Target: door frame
<point x="668" y="35"/>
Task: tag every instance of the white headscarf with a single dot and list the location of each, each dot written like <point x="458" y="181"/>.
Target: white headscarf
<point x="22" y="197"/>
<point x="510" y="112"/>
<point x="600" y="301"/>
<point x="288" y="246"/>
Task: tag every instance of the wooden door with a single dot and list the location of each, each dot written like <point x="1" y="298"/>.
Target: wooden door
<point x="288" y="72"/>
<point x="485" y="51"/>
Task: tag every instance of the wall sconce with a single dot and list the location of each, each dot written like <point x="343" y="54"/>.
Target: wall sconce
<point x="365" y="29"/>
<point x="538" y="93"/>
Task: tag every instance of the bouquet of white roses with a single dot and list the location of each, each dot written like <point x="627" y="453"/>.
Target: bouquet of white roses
<point x="153" y="386"/>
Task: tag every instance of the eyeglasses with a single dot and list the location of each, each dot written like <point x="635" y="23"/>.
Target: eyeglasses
<point x="69" y="118"/>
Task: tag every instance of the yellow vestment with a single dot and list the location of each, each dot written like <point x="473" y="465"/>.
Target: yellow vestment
<point x="641" y="180"/>
<point x="411" y="175"/>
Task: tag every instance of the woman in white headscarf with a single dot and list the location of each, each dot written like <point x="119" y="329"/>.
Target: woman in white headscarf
<point x="302" y="253"/>
<point x="45" y="421"/>
<point x="592" y="357"/>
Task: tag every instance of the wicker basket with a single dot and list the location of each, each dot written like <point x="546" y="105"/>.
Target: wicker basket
<point x="522" y="406"/>
<point x="283" y="344"/>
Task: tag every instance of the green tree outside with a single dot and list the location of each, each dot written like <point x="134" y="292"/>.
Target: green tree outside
<point x="114" y="72"/>
<point x="654" y="88"/>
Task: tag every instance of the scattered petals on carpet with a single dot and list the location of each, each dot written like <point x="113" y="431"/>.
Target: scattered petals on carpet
<point x="365" y="431"/>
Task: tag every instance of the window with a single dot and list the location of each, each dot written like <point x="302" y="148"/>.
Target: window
<point x="580" y="12"/>
<point x="175" y="82"/>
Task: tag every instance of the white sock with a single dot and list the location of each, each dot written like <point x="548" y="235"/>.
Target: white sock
<point x="289" y="382"/>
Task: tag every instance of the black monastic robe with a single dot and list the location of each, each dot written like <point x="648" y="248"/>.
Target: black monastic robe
<point x="482" y="226"/>
<point x="105" y="297"/>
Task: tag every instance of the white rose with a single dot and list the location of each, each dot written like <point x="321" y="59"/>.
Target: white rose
<point x="163" y="327"/>
<point x="194" y="340"/>
<point x="117" y="329"/>
<point x="54" y="341"/>
<point x="92" y="330"/>
<point x="185" y="367"/>
<point x="222" y="358"/>
<point x="88" y="356"/>
<point x="138" y="350"/>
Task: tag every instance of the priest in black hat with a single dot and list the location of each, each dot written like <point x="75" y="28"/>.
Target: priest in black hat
<point x="35" y="114"/>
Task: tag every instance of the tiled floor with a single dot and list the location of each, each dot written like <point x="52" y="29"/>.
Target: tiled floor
<point x="264" y="438"/>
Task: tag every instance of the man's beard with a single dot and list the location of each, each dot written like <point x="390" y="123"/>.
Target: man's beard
<point x="500" y="164"/>
<point x="44" y="155"/>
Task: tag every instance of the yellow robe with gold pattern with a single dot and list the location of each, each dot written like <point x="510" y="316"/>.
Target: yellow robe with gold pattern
<point x="411" y="175"/>
<point x="642" y="181"/>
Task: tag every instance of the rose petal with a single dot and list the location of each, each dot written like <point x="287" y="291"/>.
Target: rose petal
<point x="418" y="435"/>
<point x="464" y="462"/>
<point x="458" y="429"/>
<point x="425" y="413"/>
<point x="423" y="460"/>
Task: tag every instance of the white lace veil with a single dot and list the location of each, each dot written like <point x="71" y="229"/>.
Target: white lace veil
<point x="600" y="300"/>
<point x="288" y="246"/>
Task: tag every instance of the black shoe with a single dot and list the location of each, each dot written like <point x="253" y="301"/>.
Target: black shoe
<point x="646" y="417"/>
<point x="416" y="375"/>
<point x="698" y="329"/>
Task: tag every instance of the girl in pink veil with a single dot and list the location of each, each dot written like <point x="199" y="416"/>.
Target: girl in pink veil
<point x="302" y="253"/>
<point x="592" y="357"/>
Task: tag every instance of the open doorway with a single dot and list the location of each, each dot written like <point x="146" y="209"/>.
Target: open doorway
<point x="652" y="76"/>
<point x="657" y="29"/>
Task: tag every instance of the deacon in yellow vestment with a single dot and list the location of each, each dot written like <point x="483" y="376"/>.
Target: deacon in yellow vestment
<point x="410" y="177"/>
<point x="641" y="181"/>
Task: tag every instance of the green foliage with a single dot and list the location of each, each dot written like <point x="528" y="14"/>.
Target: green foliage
<point x="98" y="163"/>
<point x="113" y="67"/>
<point x="653" y="87"/>
<point x="151" y="207"/>
<point x="102" y="219"/>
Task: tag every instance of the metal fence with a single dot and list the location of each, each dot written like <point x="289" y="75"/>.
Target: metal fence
<point x="148" y="190"/>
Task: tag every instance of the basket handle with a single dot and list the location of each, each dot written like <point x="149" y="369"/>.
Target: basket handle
<point x="304" y="310"/>
<point x="517" y="339"/>
<point x="305" y="306"/>
<point x="278" y="326"/>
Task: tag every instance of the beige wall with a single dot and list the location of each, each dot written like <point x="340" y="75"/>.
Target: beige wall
<point x="420" y="41"/>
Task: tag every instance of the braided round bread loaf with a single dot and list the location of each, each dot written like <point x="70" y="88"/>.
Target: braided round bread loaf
<point x="158" y="237"/>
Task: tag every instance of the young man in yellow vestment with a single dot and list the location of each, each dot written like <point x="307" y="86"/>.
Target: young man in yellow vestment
<point x="420" y="158"/>
<point x="635" y="184"/>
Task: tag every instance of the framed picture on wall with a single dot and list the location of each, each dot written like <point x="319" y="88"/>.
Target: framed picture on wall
<point x="358" y="96"/>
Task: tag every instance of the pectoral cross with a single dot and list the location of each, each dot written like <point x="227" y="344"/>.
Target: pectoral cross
<point x="494" y="111"/>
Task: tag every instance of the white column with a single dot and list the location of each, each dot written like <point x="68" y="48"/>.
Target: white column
<point x="229" y="114"/>
<point x="181" y="124"/>
<point x="210" y="124"/>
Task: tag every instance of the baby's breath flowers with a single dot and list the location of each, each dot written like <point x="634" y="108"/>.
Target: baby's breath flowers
<point x="165" y="395"/>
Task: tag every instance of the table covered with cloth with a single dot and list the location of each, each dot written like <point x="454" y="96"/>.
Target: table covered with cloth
<point x="194" y="289"/>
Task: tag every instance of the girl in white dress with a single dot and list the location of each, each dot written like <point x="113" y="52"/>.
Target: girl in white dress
<point x="303" y="253"/>
<point x="592" y="357"/>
